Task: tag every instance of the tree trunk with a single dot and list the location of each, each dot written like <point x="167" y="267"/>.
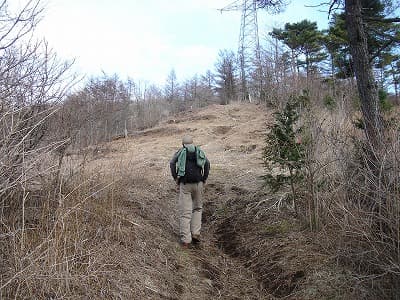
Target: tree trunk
<point x="395" y="82"/>
<point x="365" y="78"/>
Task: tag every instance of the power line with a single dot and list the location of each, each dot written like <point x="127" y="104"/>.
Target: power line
<point x="249" y="55"/>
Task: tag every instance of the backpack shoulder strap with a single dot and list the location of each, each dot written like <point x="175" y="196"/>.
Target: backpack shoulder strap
<point x="200" y="157"/>
<point x="181" y="162"/>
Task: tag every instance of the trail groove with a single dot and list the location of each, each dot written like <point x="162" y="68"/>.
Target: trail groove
<point x="232" y="138"/>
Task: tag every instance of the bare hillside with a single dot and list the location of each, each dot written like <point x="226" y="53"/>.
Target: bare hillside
<point x="232" y="138"/>
<point x="115" y="228"/>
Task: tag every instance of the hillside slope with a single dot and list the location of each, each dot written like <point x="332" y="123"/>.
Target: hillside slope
<point x="248" y="252"/>
<point x="232" y="138"/>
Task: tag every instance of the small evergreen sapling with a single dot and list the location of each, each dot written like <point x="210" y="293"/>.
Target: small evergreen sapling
<point x="284" y="153"/>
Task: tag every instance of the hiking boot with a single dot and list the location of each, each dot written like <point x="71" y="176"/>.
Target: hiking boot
<point x="185" y="245"/>
<point x="195" y="239"/>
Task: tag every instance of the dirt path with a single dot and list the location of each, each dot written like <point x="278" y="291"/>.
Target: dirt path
<point x="232" y="137"/>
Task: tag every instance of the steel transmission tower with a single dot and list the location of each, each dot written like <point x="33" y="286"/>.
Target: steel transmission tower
<point x="249" y="55"/>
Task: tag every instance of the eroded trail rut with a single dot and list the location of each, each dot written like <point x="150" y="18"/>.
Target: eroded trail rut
<point x="210" y="273"/>
<point x="232" y="137"/>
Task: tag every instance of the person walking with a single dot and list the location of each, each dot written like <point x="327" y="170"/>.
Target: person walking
<point x="190" y="168"/>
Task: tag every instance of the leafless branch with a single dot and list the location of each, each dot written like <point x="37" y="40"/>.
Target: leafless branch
<point x="15" y="27"/>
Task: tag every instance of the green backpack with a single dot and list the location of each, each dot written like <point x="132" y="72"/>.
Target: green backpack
<point x="181" y="164"/>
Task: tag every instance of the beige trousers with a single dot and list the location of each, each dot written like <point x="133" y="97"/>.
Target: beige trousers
<point x="190" y="205"/>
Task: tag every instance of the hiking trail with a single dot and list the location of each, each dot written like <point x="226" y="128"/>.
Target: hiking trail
<point x="149" y="262"/>
<point x="232" y="138"/>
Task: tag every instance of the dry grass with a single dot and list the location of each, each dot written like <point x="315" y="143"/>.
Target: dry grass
<point x="86" y="247"/>
<point x="288" y="260"/>
<point x="112" y="231"/>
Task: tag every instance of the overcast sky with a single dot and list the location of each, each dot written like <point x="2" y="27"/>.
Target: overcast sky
<point x="145" y="39"/>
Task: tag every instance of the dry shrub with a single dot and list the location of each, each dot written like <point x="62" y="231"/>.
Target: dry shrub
<point x="352" y="206"/>
<point x="84" y="242"/>
<point x="277" y="247"/>
<point x="369" y="214"/>
<point x="352" y="195"/>
<point x="329" y="144"/>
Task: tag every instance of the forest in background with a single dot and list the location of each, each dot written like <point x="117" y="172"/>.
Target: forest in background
<point x="332" y="152"/>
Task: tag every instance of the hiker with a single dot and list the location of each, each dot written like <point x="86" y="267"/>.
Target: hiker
<point x="190" y="168"/>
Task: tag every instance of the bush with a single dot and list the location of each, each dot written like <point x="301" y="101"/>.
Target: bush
<point x="329" y="102"/>
<point x="384" y="102"/>
<point x="284" y="150"/>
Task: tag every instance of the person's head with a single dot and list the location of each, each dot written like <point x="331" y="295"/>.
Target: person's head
<point x="187" y="140"/>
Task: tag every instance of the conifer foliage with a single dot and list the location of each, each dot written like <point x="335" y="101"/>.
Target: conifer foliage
<point x="284" y="153"/>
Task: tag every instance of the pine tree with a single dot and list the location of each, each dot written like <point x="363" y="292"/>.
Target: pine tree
<point x="284" y="150"/>
<point x="305" y="41"/>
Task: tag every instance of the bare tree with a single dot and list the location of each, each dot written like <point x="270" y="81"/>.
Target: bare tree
<point x="171" y="86"/>
<point x="32" y="81"/>
<point x="207" y="88"/>
<point x="226" y="76"/>
<point x="15" y="26"/>
<point x="274" y="6"/>
<point x="172" y="93"/>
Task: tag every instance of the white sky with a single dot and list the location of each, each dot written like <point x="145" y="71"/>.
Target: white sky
<point x="145" y="39"/>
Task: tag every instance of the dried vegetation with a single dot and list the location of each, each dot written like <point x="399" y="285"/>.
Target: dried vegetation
<point x="109" y="229"/>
